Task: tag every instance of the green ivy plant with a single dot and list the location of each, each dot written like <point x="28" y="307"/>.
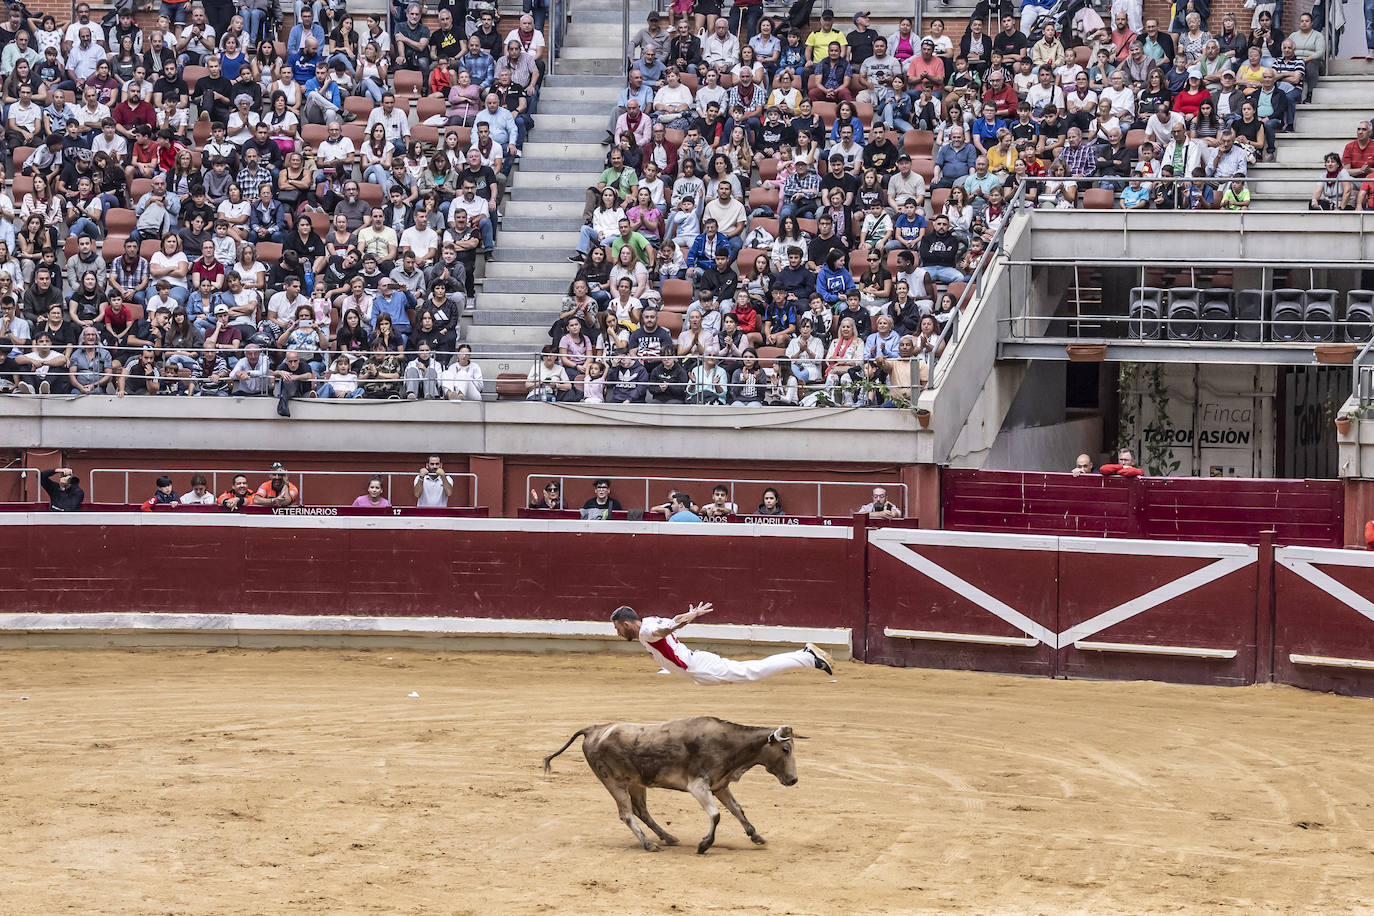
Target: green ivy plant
<point x="1158" y="460"/>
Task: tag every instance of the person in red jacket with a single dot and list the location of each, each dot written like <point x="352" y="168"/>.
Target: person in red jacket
<point x="1125" y="466"/>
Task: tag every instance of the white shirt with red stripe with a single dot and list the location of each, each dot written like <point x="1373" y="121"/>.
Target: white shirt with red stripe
<point x="664" y="646"/>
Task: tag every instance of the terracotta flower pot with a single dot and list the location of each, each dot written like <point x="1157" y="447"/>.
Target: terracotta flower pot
<point x="1086" y="353"/>
<point x="923" y="417"/>
<point x="1343" y="426"/>
<point x="1335" y="354"/>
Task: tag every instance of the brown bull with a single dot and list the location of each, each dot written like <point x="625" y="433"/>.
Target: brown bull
<point x="702" y="755"/>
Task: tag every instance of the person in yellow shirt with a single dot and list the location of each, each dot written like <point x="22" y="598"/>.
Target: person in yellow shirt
<point x="1250" y="75"/>
<point x="818" y="42"/>
<point x="1002" y="155"/>
<point x="784" y="94"/>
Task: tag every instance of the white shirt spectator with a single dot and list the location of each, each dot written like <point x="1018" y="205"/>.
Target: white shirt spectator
<point x="536" y="40"/>
<point x="397" y="127"/>
<point x="332" y="150"/>
<point x="421" y="241"/>
<point x="283" y="310"/>
<point x="1123" y="100"/>
<point x="116" y="146"/>
<point x="432" y="495"/>
<point x="197" y="45"/>
<point x="466" y="380"/>
<point x="721" y="53"/>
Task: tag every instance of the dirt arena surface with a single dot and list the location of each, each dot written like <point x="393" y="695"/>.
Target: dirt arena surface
<point x="229" y="782"/>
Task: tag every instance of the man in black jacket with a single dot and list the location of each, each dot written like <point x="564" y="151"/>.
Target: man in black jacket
<point x="63" y="489"/>
<point x="667" y="381"/>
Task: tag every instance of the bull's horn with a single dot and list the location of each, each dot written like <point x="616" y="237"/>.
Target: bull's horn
<point x="801" y="737"/>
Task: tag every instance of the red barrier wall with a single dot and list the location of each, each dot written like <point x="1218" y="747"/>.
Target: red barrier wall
<point x="1323" y="632"/>
<point x="940" y="598"/>
<point x="398" y="567"/>
<point x="1307" y="512"/>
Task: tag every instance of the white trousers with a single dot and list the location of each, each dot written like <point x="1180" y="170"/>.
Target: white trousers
<point x="707" y="668"/>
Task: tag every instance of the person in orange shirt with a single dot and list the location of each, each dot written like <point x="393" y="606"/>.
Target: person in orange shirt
<point x="277" y="490"/>
<point x="926" y="65"/>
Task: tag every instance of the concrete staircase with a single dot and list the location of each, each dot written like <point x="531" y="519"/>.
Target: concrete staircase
<point x="1340" y="101"/>
<point x="529" y="273"/>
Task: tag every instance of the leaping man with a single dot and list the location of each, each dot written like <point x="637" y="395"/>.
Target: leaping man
<point x="706" y="668"/>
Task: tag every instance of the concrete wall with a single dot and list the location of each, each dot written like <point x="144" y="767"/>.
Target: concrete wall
<point x="1049" y="447"/>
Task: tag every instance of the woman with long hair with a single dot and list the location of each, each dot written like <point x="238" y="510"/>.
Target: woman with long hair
<point x="604" y="227"/>
<point x="747" y="382"/>
<point x="596" y="273"/>
<point x="645" y="218"/>
<point x="438" y="180"/>
<point x="183" y="175"/>
<point x="353" y="336"/>
<point x="282" y="124"/>
<point x="182" y="350"/>
<point x="293" y="182"/>
<point x="386" y="336"/>
<point x="847" y="113"/>
<point x="739" y="152"/>
<point x="376" y="156"/>
<point x="1206" y="125"/>
<point x="628" y="265"/>
<point x="372" y="73"/>
<point x="790" y="235"/>
<point x="719" y="169"/>
<point x="845" y="354"/>
<point x="43" y="202"/>
<point x="36" y="237"/>
<point x="171" y="264"/>
<point x="231" y="57"/>
<point x="759" y="284"/>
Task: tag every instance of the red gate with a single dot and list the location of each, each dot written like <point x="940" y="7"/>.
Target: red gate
<point x="1324" y="619"/>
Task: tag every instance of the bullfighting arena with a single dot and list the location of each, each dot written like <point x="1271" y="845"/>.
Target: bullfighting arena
<point x="310" y="781"/>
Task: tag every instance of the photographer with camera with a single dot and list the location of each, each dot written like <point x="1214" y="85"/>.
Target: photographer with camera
<point x="432" y="486"/>
<point x="880" y="507"/>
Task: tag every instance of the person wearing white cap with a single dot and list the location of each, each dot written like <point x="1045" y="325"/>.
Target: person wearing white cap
<point x="657" y="636"/>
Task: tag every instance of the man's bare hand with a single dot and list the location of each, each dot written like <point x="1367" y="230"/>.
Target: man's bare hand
<point x="699" y="609"/>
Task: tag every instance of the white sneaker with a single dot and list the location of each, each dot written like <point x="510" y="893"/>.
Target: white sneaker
<point x="23" y="388"/>
<point x="44" y="388"/>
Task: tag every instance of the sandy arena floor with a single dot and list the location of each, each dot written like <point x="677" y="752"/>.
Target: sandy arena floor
<point x="239" y="782"/>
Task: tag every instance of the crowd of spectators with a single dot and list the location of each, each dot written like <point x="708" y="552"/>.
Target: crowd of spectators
<point x="218" y="204"/>
<point x="785" y="210"/>
<point x="221" y="203"/>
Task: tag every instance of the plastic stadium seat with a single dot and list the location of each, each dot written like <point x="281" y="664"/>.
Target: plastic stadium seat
<point x="428" y="107"/>
<point x="764" y="197"/>
<point x="858" y="261"/>
<point x="138" y="187"/>
<point x="407" y="84"/>
<point x="1319" y="315"/>
<point x="826" y="110"/>
<point x="809" y="226"/>
<point x="1286" y="321"/>
<point x="426" y="135"/>
<point x="690" y="81"/>
<point x="1185" y="307"/>
<point x="1146" y="307"/>
<point x="69" y="246"/>
<point x="1359" y="315"/>
<point x="318" y="221"/>
<point x="1134" y="138"/>
<point x="1253" y="307"/>
<point x="675" y="136"/>
<point x="745" y="261"/>
<point x="23" y="184"/>
<point x="200" y="132"/>
<point x="938" y="198"/>
<point x="149" y="247"/>
<point x="371" y="193"/>
<point x="358" y="104"/>
<point x="925" y="167"/>
<point x="22" y="154"/>
<point x="1216" y="306"/>
<point x="113" y="247"/>
<point x="677" y="294"/>
<point x="269" y="252"/>
<point x="119" y="221"/>
<point x="464" y="135"/>
<point x="1098" y="199"/>
<point x="192" y="74"/>
<point x="768" y="169"/>
<point x="764" y="222"/>
<point x="919" y="142"/>
<point x="1081" y="55"/>
<point x="355" y="132"/>
<point x="727" y="80"/>
<point x="671" y="322"/>
<point x="510" y="386"/>
<point x="769" y="355"/>
<point x="864" y="111"/>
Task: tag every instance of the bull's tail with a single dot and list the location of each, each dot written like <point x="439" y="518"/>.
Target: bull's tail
<point x="577" y="734"/>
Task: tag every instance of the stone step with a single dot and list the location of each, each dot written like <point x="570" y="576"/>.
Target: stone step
<point x="534" y="179"/>
<point x="585" y="107"/>
<point x="511" y="337"/>
<point x="536" y="149"/>
<point x="533" y="318"/>
<point x="605" y="92"/>
<point x="557" y="121"/>
<point x="1267" y="182"/>
<point x="570" y="167"/>
<point x="566" y="194"/>
<point x="543" y="209"/>
<point x="1329" y="120"/>
<point x="563" y="224"/>
<point x="535" y="258"/>
<point x="539" y="240"/>
<point x="583" y="135"/>
<point x="492" y="367"/>
<point x="1343" y="90"/>
<point x="527" y="270"/>
<point x="601" y="66"/>
<point x="1358" y="68"/>
<point x="1308" y="149"/>
<point x="578" y="80"/>
<point x="520" y="287"/>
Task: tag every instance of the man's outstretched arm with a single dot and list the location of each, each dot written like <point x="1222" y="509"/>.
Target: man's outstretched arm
<point x="695" y="611"/>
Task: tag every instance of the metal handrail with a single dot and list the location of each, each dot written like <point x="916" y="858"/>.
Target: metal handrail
<point x="24" y="478"/>
<point x="713" y="482"/>
<point x="1016" y="207"/>
<point x="299" y="477"/>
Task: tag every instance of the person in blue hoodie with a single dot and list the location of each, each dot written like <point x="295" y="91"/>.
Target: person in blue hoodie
<point x="834" y="279"/>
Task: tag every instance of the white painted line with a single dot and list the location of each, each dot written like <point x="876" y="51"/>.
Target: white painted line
<point x="976" y="638"/>
<point x="444" y="626"/>
<point x="1137" y="548"/>
<point x="1342" y="593"/>
<point x="413" y="523"/>
<point x="941" y="538"/>
<point x="968" y="590"/>
<point x="1333" y="556"/>
<point x="1170" y="590"/>
<point x="1140" y="649"/>
<point x="1323" y="661"/>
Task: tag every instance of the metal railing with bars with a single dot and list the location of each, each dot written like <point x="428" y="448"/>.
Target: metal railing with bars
<point x="700" y="489"/>
<point x="134" y="485"/>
